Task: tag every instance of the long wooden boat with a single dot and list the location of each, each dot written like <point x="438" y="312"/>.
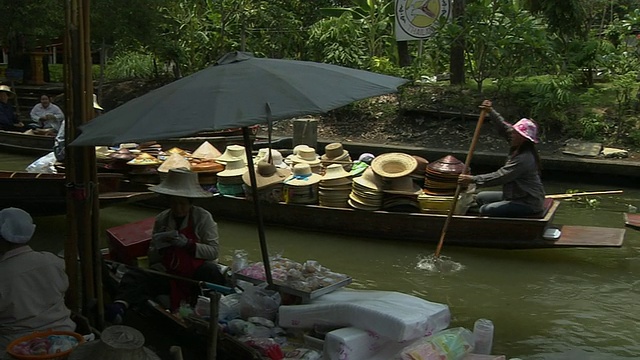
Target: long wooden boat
<point x="46" y="194"/>
<point x="28" y="144"/>
<point x="464" y="230"/>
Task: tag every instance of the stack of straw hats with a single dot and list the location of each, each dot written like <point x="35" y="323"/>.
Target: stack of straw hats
<point x="418" y="174"/>
<point x="394" y="165"/>
<point x="335" y="187"/>
<point x="232" y="152"/>
<point x="401" y="195"/>
<point x="302" y="186"/>
<point x="230" y="179"/>
<point x="152" y="148"/>
<point x="304" y="154"/>
<point x="203" y="163"/>
<point x="366" y="191"/>
<point x="269" y="182"/>
<point x="144" y="168"/>
<point x="275" y="158"/>
<point x="334" y="153"/>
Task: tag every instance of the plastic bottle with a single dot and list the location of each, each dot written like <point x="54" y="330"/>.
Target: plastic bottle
<point x="483" y="336"/>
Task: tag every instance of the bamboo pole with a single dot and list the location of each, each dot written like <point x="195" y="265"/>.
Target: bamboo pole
<point x="586" y="193"/>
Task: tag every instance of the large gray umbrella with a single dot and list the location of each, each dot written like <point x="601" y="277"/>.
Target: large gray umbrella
<point x="234" y="93"/>
<point x="239" y="91"/>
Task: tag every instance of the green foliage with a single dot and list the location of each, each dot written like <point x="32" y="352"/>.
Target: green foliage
<point x="331" y="40"/>
<point x="593" y="126"/>
<point x="129" y="65"/>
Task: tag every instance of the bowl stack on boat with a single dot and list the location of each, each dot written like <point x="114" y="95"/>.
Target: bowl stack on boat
<point x="366" y="191"/>
<point x="144" y="169"/>
<point x="302" y="186"/>
<point x="400" y="193"/>
<point x="119" y="160"/>
<point x="334" y="153"/>
<point x="335" y="187"/>
<point x="441" y="180"/>
<point x="203" y="162"/>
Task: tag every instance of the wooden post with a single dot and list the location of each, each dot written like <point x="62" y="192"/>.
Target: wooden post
<point x="305" y="131"/>
<point x="214" y="304"/>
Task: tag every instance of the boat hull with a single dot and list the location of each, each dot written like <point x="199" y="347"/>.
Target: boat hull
<point x="28" y="144"/>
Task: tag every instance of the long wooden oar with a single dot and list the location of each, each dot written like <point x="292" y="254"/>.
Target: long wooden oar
<point x="467" y="162"/>
<point x="570" y="195"/>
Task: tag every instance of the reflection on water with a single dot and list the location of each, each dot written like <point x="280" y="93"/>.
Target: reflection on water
<point x="545" y="304"/>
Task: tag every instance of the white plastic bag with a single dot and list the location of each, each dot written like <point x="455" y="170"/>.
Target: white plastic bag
<point x="43" y="165"/>
<point x="258" y="301"/>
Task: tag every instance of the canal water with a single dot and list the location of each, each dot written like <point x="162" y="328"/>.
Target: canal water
<point x="545" y="304"/>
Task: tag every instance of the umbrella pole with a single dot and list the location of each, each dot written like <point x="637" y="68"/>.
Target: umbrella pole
<point x="467" y="162"/>
<point x="254" y="191"/>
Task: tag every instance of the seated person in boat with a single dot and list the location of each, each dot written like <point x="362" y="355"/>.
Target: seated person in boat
<point x="184" y="243"/>
<point x="32" y="284"/>
<point x="522" y="190"/>
<point x="60" y="142"/>
<point x="8" y="118"/>
<point x="46" y="116"/>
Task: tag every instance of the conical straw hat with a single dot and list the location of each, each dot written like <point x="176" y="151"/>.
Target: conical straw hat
<point x="174" y="161"/>
<point x="206" y="151"/>
<point x="181" y="182"/>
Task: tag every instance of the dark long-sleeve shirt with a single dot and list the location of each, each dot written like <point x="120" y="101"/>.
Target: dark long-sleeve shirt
<point x="519" y="177"/>
<point x="8" y="117"/>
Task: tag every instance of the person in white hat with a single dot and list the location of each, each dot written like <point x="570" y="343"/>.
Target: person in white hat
<point x="184" y="242"/>
<point x="60" y="142"/>
<point x="8" y="118"/>
<point x="522" y="190"/>
<point x="32" y="284"/>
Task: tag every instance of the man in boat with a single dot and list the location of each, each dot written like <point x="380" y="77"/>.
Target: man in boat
<point x="522" y="190"/>
<point x="60" y="142"/>
<point x="46" y="116"/>
<point x="184" y="243"/>
<point x="32" y="284"/>
<point x="8" y="118"/>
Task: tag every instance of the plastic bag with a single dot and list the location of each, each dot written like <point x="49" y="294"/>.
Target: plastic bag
<point x="450" y="344"/>
<point x="43" y="165"/>
<point x="258" y="301"/>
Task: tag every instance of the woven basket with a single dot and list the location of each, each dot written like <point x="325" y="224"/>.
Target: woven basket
<point x="43" y="334"/>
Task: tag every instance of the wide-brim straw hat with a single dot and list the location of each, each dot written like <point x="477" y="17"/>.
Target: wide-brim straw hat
<point x="206" y="151"/>
<point x="266" y="174"/>
<point x="403" y="186"/>
<point x="6" y="89"/>
<point x="394" y="165"/>
<point x="302" y="176"/>
<point x="232" y="152"/>
<point x="174" y="161"/>
<point x="334" y="151"/>
<point x="305" y="155"/>
<point x="335" y="171"/>
<point x="234" y="167"/>
<point x="276" y="158"/>
<point x="369" y="180"/>
<point x="181" y="182"/>
<point x="116" y="342"/>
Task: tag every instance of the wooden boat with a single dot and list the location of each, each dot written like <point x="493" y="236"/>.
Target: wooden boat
<point x="46" y="194"/>
<point x="632" y="220"/>
<point x="29" y="144"/>
<point x="464" y="230"/>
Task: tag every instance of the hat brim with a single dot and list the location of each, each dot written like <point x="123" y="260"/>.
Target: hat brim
<point x="192" y="194"/>
<point x="402" y="165"/>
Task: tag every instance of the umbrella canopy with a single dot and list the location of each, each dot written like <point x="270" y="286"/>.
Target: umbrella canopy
<point x="240" y="90"/>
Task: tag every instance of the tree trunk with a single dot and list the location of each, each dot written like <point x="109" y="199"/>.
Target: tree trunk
<point x="456" y="58"/>
<point x="403" y="54"/>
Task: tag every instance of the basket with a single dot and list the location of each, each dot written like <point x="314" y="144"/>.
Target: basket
<point x="41" y="334"/>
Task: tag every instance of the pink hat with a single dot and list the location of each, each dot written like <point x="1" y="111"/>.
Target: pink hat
<point x="528" y="129"/>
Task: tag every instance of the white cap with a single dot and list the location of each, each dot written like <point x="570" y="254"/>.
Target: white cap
<point x="16" y="225"/>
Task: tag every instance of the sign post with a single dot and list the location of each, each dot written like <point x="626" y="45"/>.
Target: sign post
<point x="418" y="19"/>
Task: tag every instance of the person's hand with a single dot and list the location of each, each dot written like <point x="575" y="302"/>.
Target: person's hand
<point x="486" y="105"/>
<point x="179" y="241"/>
<point x="464" y="179"/>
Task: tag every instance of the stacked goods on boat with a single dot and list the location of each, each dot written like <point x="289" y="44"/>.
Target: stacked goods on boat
<point x="440" y="182"/>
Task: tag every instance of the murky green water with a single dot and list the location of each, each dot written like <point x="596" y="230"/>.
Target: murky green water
<point x="545" y="304"/>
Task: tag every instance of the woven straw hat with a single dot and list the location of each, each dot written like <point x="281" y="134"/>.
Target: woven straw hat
<point x="181" y="182"/>
<point x="306" y="155"/>
<point x="403" y="186"/>
<point x="5" y="88"/>
<point x="234" y="167"/>
<point x="302" y="176"/>
<point x="334" y="151"/>
<point x="233" y="152"/>
<point x="369" y="180"/>
<point x="266" y="174"/>
<point x="393" y="165"/>
<point x="206" y="151"/>
<point x="335" y="171"/>
<point x="116" y="342"/>
<point x="174" y="161"/>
